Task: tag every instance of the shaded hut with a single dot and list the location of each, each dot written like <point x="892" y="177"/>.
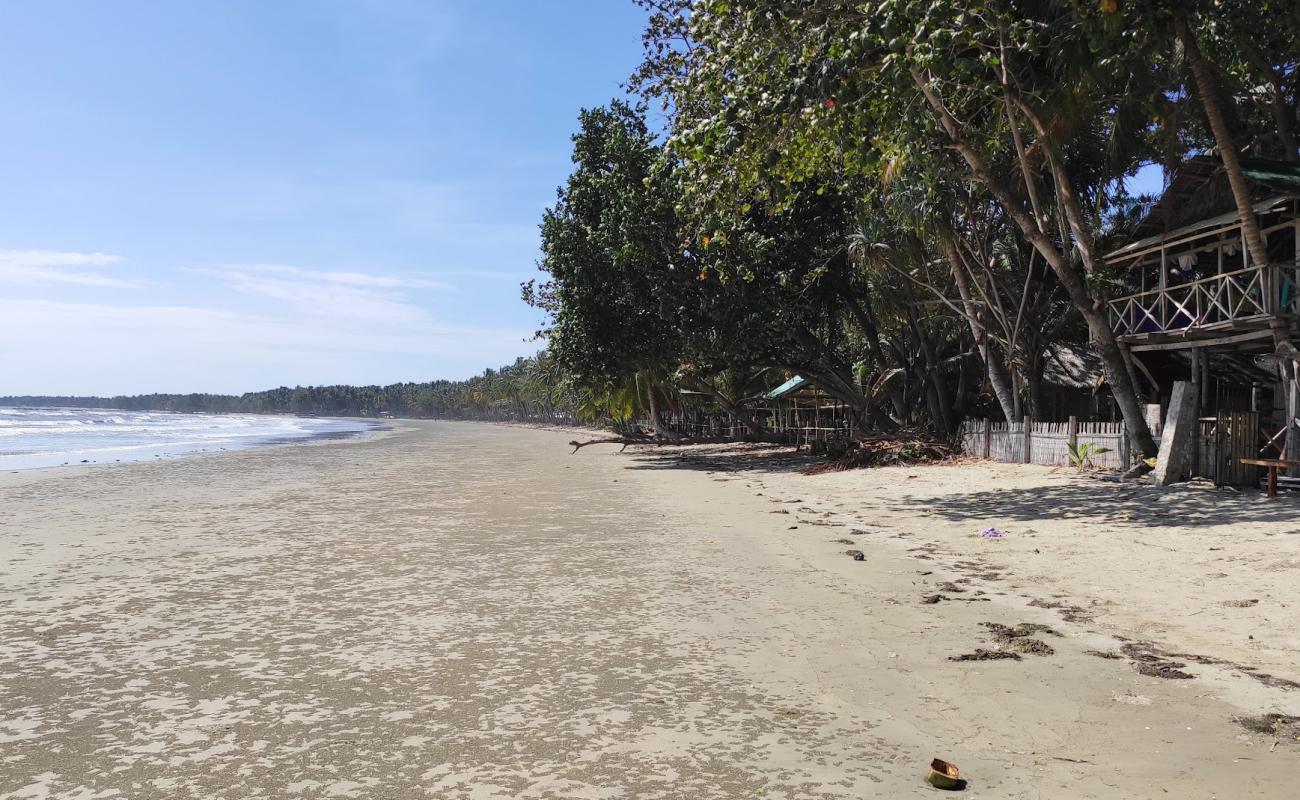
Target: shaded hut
<point x="1204" y="313"/>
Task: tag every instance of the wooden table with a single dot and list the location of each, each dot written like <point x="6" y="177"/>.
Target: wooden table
<point x="1273" y="464"/>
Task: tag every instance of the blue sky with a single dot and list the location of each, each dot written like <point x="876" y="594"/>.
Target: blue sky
<point x="237" y="195"/>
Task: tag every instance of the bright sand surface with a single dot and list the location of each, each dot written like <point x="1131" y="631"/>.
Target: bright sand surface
<point x="469" y="611"/>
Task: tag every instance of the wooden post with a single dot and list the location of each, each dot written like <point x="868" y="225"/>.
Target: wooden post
<point x="1198" y="392"/>
<point x="1164" y="286"/>
<point x="1176" y="438"/>
<point x="1295" y="286"/>
<point x="1205" y="381"/>
<point x="1131" y="368"/>
<point x="988" y="436"/>
<point x="1125" y="459"/>
<point x="1291" y="446"/>
<point x="1029" y="440"/>
<point x="1072" y="433"/>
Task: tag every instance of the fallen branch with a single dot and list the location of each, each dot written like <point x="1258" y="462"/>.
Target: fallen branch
<point x="681" y="440"/>
<point x="1138" y="471"/>
<point x="623" y="440"/>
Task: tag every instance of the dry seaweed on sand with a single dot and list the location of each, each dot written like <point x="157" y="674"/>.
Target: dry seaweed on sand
<point x="1282" y="725"/>
<point x="1107" y="654"/>
<point x="982" y="654"/>
<point x="1162" y="669"/>
<point x="1001" y="631"/>
<point x="1035" y="647"/>
<point x="1068" y="613"/>
<point x="886" y="449"/>
<point x="1020" y="637"/>
<point x="1148" y="661"/>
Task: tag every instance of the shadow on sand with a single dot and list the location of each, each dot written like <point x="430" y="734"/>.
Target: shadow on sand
<point x="1139" y="504"/>
<point x="722" y="458"/>
<point x="1134" y="503"/>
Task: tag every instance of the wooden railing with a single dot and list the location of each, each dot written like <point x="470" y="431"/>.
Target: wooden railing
<point x="1249" y="293"/>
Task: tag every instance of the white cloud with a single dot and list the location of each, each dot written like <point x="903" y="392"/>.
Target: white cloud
<point x="376" y="298"/>
<point x="360" y="279"/>
<point x="293" y="325"/>
<point x="44" y="267"/>
<point x="82" y="348"/>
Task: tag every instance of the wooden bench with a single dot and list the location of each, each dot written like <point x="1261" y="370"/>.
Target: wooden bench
<point x="1273" y="464"/>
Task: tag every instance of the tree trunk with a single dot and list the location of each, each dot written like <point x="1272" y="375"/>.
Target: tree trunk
<point x="1034" y="377"/>
<point x="864" y="416"/>
<point x="1101" y="334"/>
<point x="836" y="379"/>
<point x="993" y="365"/>
<point x="1206" y="87"/>
<point x="661" y="429"/>
<point x="737" y="413"/>
<point x="1283" y="114"/>
<point x="863" y="314"/>
<point x="932" y="381"/>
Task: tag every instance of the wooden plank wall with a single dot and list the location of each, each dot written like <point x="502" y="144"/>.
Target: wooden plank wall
<point x="1047" y="442"/>
<point x="1220" y="447"/>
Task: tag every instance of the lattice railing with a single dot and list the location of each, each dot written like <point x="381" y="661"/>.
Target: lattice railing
<point x="1244" y="294"/>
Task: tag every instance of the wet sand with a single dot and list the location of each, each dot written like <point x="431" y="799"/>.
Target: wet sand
<point x="468" y="611"/>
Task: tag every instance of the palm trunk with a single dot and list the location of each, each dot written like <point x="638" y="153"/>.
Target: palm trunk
<point x="1091" y="309"/>
<point x="1206" y="88"/>
<point x="661" y="430"/>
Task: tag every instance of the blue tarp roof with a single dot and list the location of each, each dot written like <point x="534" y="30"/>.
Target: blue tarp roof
<point x="785" y="388"/>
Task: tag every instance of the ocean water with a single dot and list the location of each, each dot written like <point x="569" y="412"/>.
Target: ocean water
<point x="48" y="437"/>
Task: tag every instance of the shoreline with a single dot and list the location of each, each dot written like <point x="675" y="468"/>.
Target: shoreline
<point x="508" y="620"/>
<point x="315" y="438"/>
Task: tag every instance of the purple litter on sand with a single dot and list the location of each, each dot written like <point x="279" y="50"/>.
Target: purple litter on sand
<point x="992" y="533"/>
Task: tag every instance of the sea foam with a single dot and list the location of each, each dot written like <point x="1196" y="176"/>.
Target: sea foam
<point x="43" y="437"/>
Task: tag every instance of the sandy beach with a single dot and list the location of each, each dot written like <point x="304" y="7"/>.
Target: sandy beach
<point x="470" y="611"/>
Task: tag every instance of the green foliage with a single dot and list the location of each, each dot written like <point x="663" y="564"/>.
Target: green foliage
<point x="530" y="389"/>
<point x="1082" y="454"/>
<point x="618" y="280"/>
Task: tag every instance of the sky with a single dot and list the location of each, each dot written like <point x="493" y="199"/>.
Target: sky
<point x="233" y="196"/>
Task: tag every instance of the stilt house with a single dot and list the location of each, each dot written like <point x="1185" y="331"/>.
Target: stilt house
<point x="1198" y="309"/>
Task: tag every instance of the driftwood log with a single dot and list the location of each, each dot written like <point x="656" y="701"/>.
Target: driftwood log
<point x="631" y="439"/>
<point x="623" y="440"/>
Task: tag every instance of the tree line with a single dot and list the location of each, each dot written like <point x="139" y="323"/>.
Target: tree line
<point x="527" y="390"/>
<point x="907" y="202"/>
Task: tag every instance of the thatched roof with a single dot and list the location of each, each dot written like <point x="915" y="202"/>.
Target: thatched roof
<point x="1199" y="190"/>
<point x="1072" y="368"/>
